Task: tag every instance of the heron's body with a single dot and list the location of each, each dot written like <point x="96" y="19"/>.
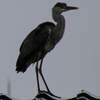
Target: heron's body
<point x="41" y="41"/>
<point x="34" y="47"/>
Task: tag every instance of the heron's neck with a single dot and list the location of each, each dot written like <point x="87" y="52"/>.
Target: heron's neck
<point x="57" y="17"/>
<point x="60" y="26"/>
<point x="57" y="32"/>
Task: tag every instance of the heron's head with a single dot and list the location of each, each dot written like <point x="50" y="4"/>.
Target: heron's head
<point x="62" y="7"/>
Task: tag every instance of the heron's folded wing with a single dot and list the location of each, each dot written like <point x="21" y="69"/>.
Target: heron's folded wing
<point x="36" y="39"/>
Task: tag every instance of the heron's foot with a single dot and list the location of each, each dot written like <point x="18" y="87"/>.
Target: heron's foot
<point x="54" y="95"/>
<point x="49" y="92"/>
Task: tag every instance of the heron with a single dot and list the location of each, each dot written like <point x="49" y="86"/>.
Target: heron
<point x="42" y="40"/>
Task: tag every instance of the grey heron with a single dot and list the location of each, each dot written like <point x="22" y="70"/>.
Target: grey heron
<point x="42" y="40"/>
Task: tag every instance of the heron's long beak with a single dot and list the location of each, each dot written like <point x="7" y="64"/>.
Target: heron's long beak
<point x="71" y="8"/>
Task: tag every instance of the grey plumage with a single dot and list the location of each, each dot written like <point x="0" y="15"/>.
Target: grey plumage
<point x="32" y="48"/>
<point x="41" y="41"/>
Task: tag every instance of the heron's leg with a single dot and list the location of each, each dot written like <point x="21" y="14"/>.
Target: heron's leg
<point x="37" y="77"/>
<point x="40" y="71"/>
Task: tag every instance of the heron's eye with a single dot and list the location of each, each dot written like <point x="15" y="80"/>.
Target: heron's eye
<point x="63" y="5"/>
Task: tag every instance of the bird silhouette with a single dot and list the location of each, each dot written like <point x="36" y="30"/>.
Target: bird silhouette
<point x="42" y="40"/>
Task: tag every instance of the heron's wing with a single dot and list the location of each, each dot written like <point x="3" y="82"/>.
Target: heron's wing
<point x="36" y="39"/>
<point x="32" y="45"/>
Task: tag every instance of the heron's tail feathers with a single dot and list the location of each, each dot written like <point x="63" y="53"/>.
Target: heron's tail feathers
<point x="21" y="66"/>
